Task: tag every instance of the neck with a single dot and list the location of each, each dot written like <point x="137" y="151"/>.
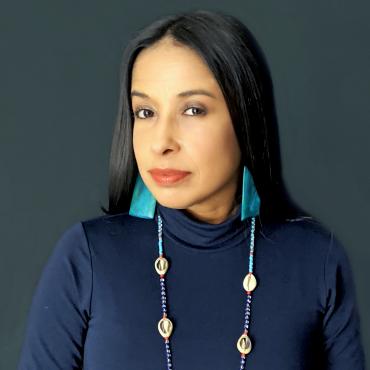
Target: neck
<point x="213" y="216"/>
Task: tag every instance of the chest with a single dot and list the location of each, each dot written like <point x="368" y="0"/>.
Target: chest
<point x="206" y="303"/>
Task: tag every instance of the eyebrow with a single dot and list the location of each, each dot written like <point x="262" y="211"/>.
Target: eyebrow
<point x="180" y="95"/>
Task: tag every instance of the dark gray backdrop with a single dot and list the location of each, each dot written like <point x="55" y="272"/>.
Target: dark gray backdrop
<point x="59" y="73"/>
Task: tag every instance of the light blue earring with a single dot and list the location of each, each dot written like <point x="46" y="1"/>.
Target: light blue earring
<point x="143" y="203"/>
<point x="250" y="200"/>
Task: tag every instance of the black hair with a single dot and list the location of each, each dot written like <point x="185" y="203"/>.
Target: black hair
<point x="232" y="54"/>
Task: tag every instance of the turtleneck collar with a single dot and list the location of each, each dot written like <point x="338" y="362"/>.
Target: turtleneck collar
<point x="190" y="232"/>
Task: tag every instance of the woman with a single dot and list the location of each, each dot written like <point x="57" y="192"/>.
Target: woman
<point x="202" y="260"/>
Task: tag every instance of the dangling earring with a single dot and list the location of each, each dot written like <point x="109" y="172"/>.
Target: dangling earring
<point x="250" y="200"/>
<point x="143" y="203"/>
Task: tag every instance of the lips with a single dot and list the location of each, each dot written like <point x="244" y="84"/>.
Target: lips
<point x="167" y="172"/>
<point x="167" y="176"/>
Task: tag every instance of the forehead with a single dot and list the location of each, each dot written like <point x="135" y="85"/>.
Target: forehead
<point x="169" y="66"/>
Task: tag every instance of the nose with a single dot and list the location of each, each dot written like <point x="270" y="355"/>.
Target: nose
<point x="164" y="136"/>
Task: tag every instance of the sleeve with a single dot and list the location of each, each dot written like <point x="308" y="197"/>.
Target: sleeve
<point x="58" y="317"/>
<point x="341" y="320"/>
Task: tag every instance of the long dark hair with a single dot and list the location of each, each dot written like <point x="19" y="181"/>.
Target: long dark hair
<point x="237" y="63"/>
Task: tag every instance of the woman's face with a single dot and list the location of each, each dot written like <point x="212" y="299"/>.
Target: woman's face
<point x="188" y="132"/>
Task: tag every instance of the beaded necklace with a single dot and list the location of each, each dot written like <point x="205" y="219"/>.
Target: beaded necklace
<point x="165" y="326"/>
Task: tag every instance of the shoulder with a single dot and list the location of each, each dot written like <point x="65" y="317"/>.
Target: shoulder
<point x="300" y="237"/>
<point x="307" y="241"/>
<point x="85" y="238"/>
<point x="308" y="250"/>
<point x="121" y="224"/>
<point x="303" y="229"/>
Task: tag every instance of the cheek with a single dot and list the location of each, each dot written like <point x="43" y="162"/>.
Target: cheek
<point x="138" y="141"/>
<point x="216" y="149"/>
<point x="137" y="148"/>
<point x="135" y="143"/>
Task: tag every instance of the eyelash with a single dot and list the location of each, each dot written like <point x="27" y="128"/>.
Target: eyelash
<point x="136" y="112"/>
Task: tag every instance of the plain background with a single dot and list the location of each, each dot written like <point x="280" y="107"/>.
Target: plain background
<point x="59" y="73"/>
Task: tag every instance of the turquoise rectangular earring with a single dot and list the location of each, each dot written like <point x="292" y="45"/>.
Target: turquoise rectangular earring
<point x="250" y="200"/>
<point x="142" y="203"/>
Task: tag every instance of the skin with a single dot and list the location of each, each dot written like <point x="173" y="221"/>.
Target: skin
<point x="190" y="133"/>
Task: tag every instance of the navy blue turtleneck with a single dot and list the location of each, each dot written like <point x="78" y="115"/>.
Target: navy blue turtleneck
<point x="97" y="302"/>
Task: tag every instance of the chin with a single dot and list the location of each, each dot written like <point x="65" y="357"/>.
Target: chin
<point x="171" y="202"/>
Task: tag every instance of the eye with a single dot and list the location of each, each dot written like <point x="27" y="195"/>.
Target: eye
<point x="137" y="112"/>
<point x="194" y="108"/>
